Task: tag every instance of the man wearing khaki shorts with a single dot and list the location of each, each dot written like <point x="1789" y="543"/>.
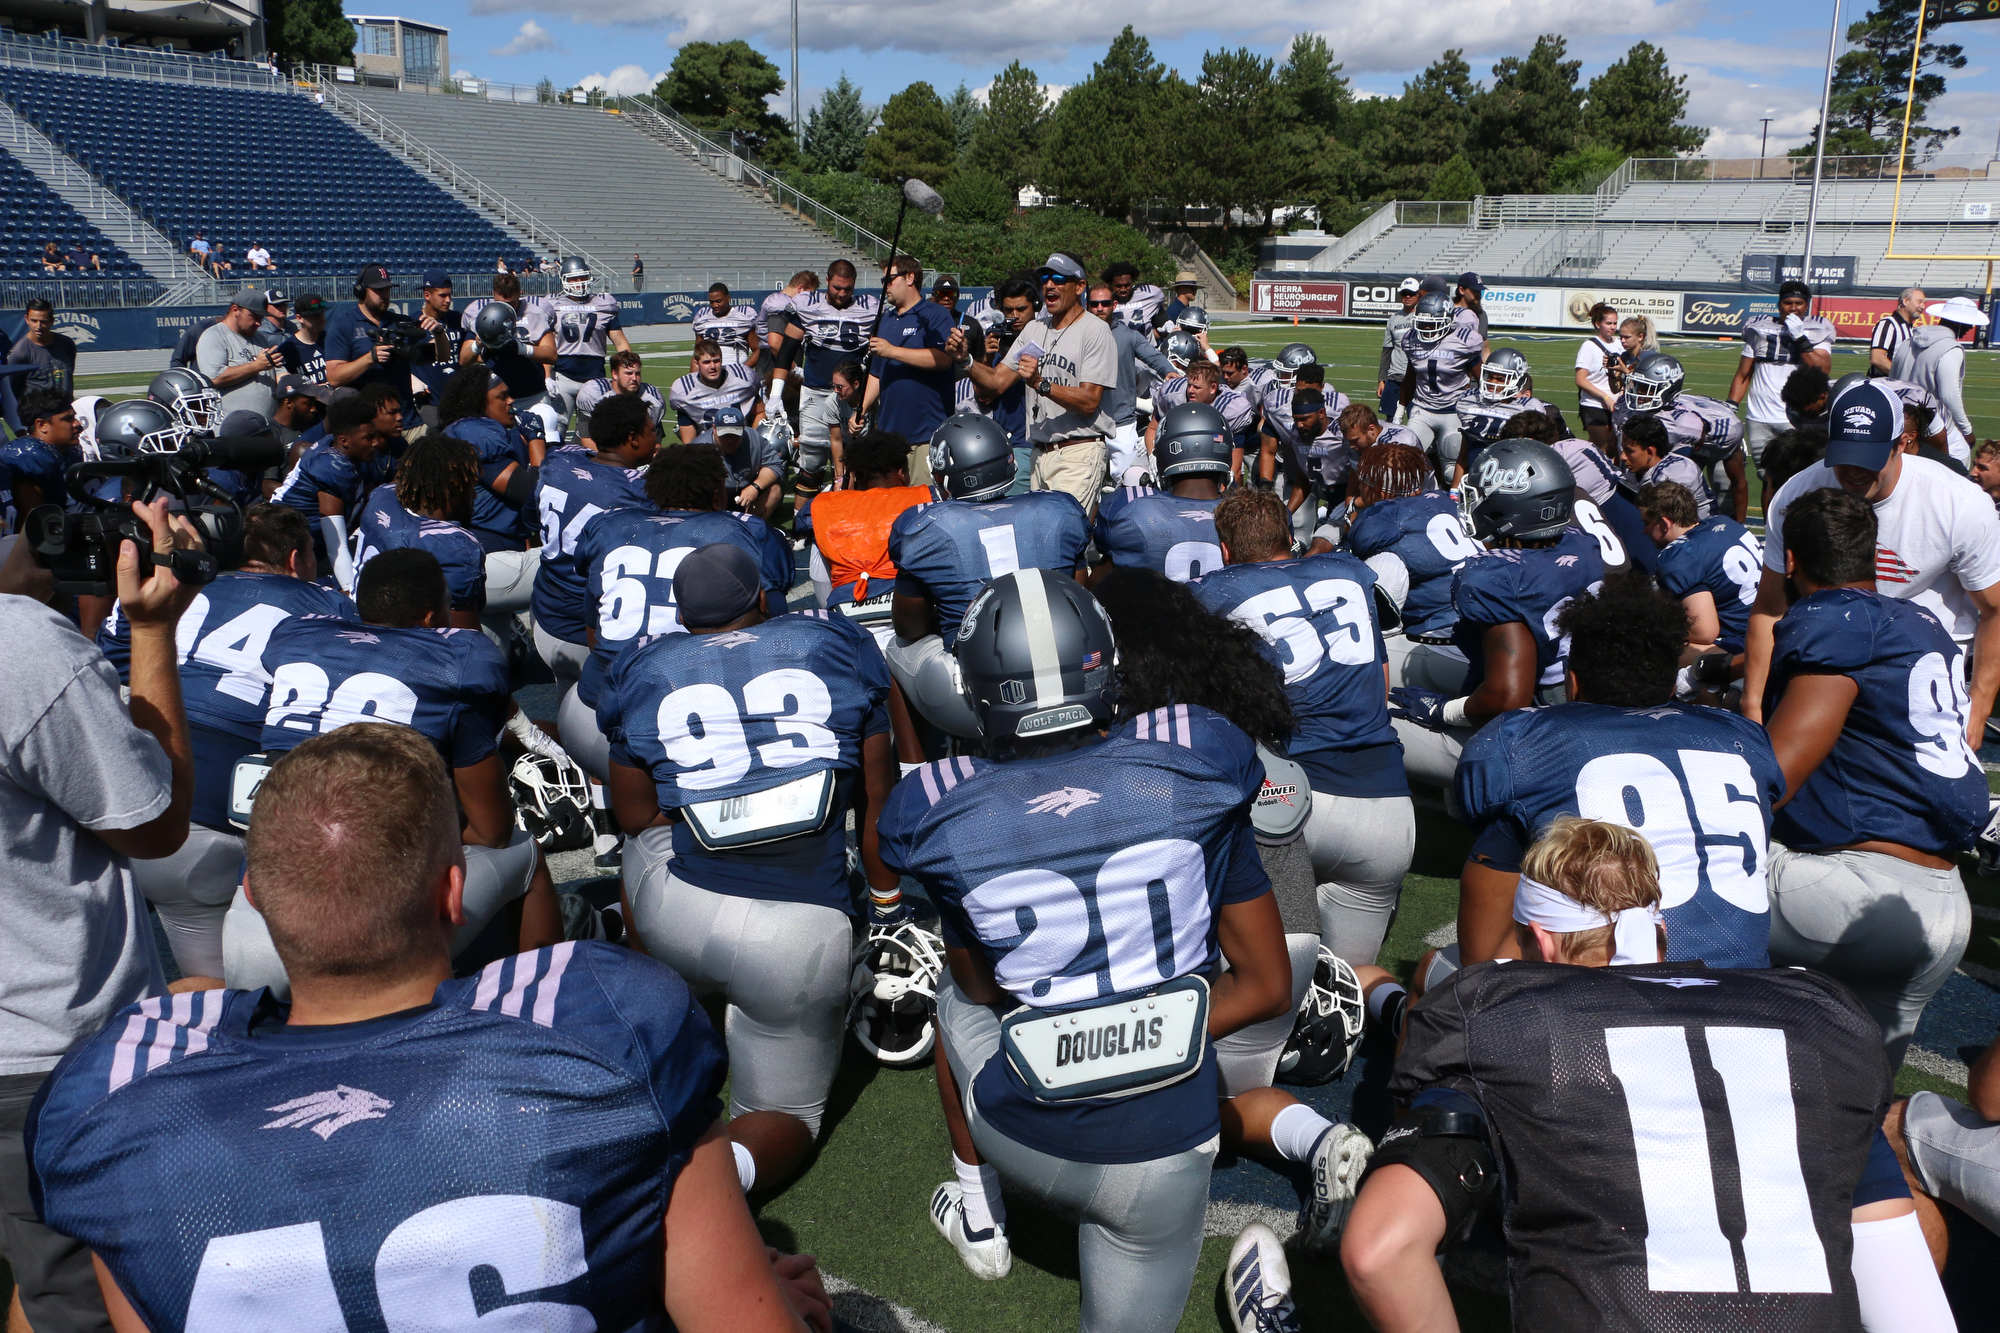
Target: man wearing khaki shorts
<point x="1068" y="358"/>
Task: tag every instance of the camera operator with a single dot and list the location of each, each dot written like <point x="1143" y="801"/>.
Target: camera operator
<point x="244" y="371"/>
<point x="78" y="946"/>
<point x="369" y="343"/>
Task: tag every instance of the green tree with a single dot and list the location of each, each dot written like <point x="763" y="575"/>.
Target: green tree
<point x="1584" y="168"/>
<point x="1871" y="83"/>
<point x="308" y="32"/>
<point x="913" y="138"/>
<point x="973" y="195"/>
<point x="1427" y="125"/>
<point x="1531" y="116"/>
<point x="1636" y="106"/>
<point x="722" y="87"/>
<point x="1008" y="140"/>
<point x="1241" y="114"/>
<point x="837" y="129"/>
<point x="1455" y="180"/>
<point x="965" y="113"/>
<point x="1103" y="134"/>
<point x="1312" y="90"/>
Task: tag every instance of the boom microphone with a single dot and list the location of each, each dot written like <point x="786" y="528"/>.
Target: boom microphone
<point x="924" y="197"/>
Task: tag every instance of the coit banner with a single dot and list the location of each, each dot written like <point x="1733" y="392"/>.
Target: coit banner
<point x="1524" y="307"/>
<point x="1372" y="300"/>
<point x="1663" y="308"/>
<point x="1321" y="299"/>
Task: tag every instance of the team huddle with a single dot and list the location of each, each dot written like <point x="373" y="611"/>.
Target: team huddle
<point x="1086" y="776"/>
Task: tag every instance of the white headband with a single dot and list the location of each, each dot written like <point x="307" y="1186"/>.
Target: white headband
<point x="1633" y="930"/>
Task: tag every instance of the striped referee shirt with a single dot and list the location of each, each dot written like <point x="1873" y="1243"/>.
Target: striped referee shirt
<point x="1890" y="331"/>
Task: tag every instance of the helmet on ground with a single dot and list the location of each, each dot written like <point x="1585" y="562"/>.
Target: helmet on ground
<point x="1036" y="657"/>
<point x="576" y="276"/>
<point x="1193" y="439"/>
<point x="189" y="397"/>
<point x="1517" y="488"/>
<point x="139" y="426"/>
<point x="1327" y="1031"/>
<point x="494" y="326"/>
<point x="893" y="1012"/>
<point x="1503" y="376"/>
<point x="972" y="458"/>
<point x="1183" y="350"/>
<point x="1433" y="317"/>
<point x="551" y="802"/>
<point x="1290" y="357"/>
<point x="1653" y="382"/>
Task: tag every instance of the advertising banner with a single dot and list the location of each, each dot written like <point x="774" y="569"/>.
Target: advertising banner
<point x="1855" y="316"/>
<point x="1830" y="273"/>
<point x="1721" y="314"/>
<point x="1327" y="300"/>
<point x="1663" y="308"/>
<point x="1372" y="300"/>
<point x="1524" y="307"/>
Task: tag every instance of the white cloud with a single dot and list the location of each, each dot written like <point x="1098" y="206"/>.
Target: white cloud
<point x="532" y="37"/>
<point x="625" y="81"/>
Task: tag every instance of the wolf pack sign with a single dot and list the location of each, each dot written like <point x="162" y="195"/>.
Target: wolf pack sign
<point x="1663" y="308"/>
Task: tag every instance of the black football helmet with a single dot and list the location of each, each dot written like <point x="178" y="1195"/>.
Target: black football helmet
<point x="1193" y="439"/>
<point x="1653" y="382"/>
<point x="972" y="458"/>
<point x="1327" y="1029"/>
<point x="1517" y="488"/>
<point x="1036" y="656"/>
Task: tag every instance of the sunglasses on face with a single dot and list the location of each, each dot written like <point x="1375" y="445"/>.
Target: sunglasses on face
<point x="1049" y="275"/>
<point x="1104" y="304"/>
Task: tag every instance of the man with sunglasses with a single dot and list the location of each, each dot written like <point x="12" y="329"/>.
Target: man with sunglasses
<point x="1121" y="401"/>
<point x="911" y="380"/>
<point x="1068" y="359"/>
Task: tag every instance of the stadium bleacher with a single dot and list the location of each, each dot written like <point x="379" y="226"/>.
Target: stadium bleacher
<point x="245" y="166"/>
<point x="32" y="214"/>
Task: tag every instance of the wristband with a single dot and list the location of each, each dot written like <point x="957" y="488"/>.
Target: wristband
<point x="1453" y="713"/>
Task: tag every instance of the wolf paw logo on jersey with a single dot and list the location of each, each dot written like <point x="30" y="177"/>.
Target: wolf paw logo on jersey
<point x="736" y="638"/>
<point x="324" y="1113"/>
<point x="1565" y="561"/>
<point x="1064" y="801"/>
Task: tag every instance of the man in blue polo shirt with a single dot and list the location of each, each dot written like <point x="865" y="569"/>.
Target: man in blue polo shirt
<point x="356" y="345"/>
<point x="911" y="382"/>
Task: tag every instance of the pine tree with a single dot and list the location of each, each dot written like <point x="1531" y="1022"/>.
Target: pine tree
<point x="1427" y="126"/>
<point x="965" y="113"/>
<point x="1871" y="82"/>
<point x="912" y="139"/>
<point x="1531" y="116"/>
<point x="1105" y="131"/>
<point x="1007" y="144"/>
<point x="722" y="88"/>
<point x="1636" y="104"/>
<point x="837" y="129"/>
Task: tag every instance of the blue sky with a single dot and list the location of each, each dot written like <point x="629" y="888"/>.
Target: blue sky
<point x="1743" y="62"/>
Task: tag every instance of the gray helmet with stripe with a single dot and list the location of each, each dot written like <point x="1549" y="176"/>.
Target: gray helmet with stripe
<point x="1036" y="657"/>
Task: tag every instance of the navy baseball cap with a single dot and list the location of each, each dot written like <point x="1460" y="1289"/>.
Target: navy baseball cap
<point x="1470" y="281"/>
<point x="714" y="585"/>
<point x="436" y="277"/>
<point x="1863" y="427"/>
<point x="242" y="422"/>
<point x="374" y="277"/>
<point x="727" y="420"/>
<point x="1307" y="401"/>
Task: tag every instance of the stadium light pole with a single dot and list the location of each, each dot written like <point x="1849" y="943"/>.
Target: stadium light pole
<point x="1764" y="140"/>
<point x="798" y="126"/>
<point x="1819" y="148"/>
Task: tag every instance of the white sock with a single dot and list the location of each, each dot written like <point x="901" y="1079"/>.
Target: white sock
<point x="1378" y="999"/>
<point x="983" y="1205"/>
<point x="746" y="1166"/>
<point x="1295" y="1132"/>
<point x="600" y="796"/>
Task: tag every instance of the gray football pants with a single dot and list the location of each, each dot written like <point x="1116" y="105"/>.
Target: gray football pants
<point x="782" y="966"/>
<point x="1248" y="1057"/>
<point x="192" y="890"/>
<point x="1440" y="434"/>
<point x="1889" y="930"/>
<point x="1956" y="1155"/>
<point x="1138" y="1223"/>
<point x="923" y="669"/>
<point x="1428" y="666"/>
<point x="494" y="877"/>
<point x="576" y="727"/>
<point x="1361" y="848"/>
<point x="562" y="657"/>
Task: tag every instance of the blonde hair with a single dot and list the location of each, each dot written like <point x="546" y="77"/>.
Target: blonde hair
<point x="348" y="836"/>
<point x="1649" y="339"/>
<point x="1606" y="867"/>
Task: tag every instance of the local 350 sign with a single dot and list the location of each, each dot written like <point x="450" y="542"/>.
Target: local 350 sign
<point x="1324" y="299"/>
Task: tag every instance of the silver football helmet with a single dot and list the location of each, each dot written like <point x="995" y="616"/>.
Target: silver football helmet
<point x="1503" y="376"/>
<point x="575" y="276"/>
<point x="189" y="398"/>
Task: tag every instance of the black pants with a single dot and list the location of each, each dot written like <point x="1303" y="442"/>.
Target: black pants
<point x="52" y="1273"/>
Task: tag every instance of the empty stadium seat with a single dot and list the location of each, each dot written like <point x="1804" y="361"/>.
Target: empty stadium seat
<point x="35" y="214"/>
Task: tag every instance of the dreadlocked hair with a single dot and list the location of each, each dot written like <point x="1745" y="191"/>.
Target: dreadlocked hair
<point x="439" y="474"/>
<point x="1173" y="650"/>
<point x="687" y="476"/>
<point x="1389" y="472"/>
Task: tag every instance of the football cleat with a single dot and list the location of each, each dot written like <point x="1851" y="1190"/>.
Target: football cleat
<point x="894" y="990"/>
<point x="1329" y="1025"/>
<point x="1340" y="1159"/>
<point x="985" y="1253"/>
<point x="551" y="801"/>
<point x="1258" y="1284"/>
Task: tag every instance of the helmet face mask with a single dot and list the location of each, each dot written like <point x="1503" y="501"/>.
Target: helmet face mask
<point x="1653" y="382"/>
<point x="1433" y="317"/>
<point x="139" y="426"/>
<point x="1290" y="357"/>
<point x="552" y="802"/>
<point x="189" y="398"/>
<point x="575" y="277"/>
<point x="1503" y="377"/>
<point x="893" y="1010"/>
<point x="1328" y="1028"/>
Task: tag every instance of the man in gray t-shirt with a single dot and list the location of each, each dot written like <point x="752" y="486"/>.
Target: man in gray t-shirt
<point x="1395" y="362"/>
<point x="245" y="374"/>
<point x="755" y="462"/>
<point x="81" y="789"/>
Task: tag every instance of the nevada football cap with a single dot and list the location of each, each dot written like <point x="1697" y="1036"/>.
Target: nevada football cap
<point x="727" y="421"/>
<point x="1063" y="266"/>
<point x="714" y="585"/>
<point x="1863" y="427"/>
<point x="374" y="277"/>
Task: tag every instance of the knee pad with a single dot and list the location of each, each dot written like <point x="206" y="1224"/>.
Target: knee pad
<point x="1447" y="1147"/>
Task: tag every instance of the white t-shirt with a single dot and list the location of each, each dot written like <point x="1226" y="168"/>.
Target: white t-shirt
<point x="1592" y="355"/>
<point x="1936" y="536"/>
<point x="259" y="257"/>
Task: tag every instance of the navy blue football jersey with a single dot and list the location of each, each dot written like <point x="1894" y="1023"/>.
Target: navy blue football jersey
<point x="948" y="551"/>
<point x="573" y="489"/>
<point x="387" y="526"/>
<point x="715" y="717"/>
<point x="1159" y="532"/>
<point x="1316" y="616"/>
<point x="225" y="687"/>
<point x="449" y="684"/>
<point x="1528" y="585"/>
<point x="1724" y="558"/>
<point x="628" y="558"/>
<point x="26" y="458"/>
<point x="1084" y="876"/>
<point x="324" y="469"/>
<point x="1699" y="783"/>
<point x="1115" y="500"/>
<point x="1901" y="771"/>
<point x="520" y="1134"/>
<point x="1427" y="534"/>
<point x="498" y="525"/>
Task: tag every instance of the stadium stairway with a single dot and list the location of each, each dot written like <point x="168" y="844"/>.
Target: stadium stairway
<point x="599" y="179"/>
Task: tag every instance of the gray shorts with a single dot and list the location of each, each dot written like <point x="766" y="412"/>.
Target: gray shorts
<point x="923" y="669"/>
<point x="576" y="727"/>
<point x="494" y="877"/>
<point x="52" y="1273"/>
<point x="564" y="658"/>
<point x="782" y="966"/>
<point x="192" y="890"/>
<point x="1891" y="931"/>
<point x="1139" y="1224"/>
<point x="1955" y="1155"/>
